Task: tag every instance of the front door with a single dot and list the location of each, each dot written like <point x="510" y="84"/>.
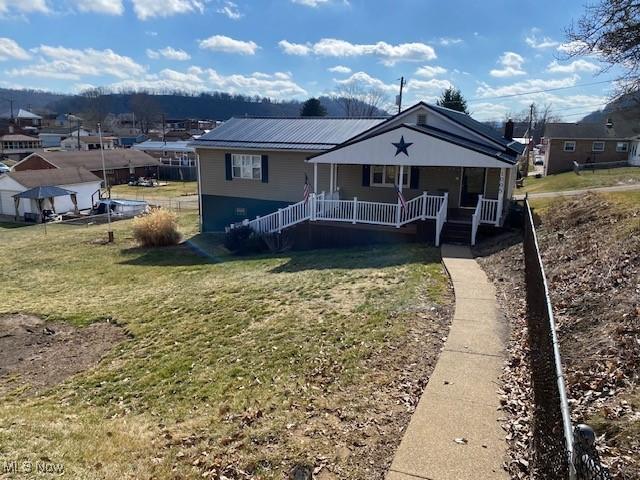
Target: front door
<point x="472" y="185"/>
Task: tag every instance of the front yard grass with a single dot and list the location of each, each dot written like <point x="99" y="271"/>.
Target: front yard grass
<point x="172" y="190"/>
<point x="242" y="366"/>
<point x="571" y="181"/>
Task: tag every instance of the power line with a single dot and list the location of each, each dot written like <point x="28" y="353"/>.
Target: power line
<point x="480" y="99"/>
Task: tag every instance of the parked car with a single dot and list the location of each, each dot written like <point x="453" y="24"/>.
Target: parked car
<point x="4" y="168"/>
<point x="539" y="161"/>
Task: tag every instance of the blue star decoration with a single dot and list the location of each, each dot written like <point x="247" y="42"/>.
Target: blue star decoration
<point x="402" y="146"/>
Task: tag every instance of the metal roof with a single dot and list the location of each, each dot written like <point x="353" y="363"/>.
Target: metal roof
<point x="478" y="127"/>
<point x="92" y="159"/>
<point x="155" y="146"/>
<point x="46" y="191"/>
<point x="21" y="114"/>
<point x="319" y="133"/>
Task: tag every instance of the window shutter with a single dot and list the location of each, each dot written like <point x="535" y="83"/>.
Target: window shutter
<point x="366" y="175"/>
<point x="414" y="181"/>
<point x="227" y="166"/>
<point x="265" y="168"/>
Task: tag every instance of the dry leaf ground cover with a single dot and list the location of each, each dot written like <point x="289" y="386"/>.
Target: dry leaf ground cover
<point x="591" y="250"/>
<point x="231" y="367"/>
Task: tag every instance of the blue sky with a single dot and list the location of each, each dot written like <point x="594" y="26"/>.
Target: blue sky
<point x="299" y="48"/>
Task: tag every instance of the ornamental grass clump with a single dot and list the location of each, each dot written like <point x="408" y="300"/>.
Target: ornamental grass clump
<point x="157" y="229"/>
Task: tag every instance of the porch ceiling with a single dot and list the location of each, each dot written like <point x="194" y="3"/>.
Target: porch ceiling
<point x="422" y="149"/>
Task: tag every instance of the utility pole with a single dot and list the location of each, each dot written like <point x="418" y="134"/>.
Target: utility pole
<point x="403" y="83"/>
<point x="78" y="121"/>
<point x="529" y="137"/>
<point x="164" y="138"/>
<point x="104" y="176"/>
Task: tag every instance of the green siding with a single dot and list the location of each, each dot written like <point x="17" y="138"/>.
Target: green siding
<point x="219" y="212"/>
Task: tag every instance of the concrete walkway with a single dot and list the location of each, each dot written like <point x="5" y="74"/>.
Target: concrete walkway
<point x="570" y="193"/>
<point x="454" y="433"/>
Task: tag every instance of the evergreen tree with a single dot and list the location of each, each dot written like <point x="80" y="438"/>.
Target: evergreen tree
<point x="313" y="108"/>
<point x="452" y="98"/>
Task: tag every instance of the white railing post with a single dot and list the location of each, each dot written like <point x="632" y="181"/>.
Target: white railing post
<point x="355" y="210"/>
<point x="279" y="220"/>
<point x="423" y="215"/>
<point x="312" y="207"/>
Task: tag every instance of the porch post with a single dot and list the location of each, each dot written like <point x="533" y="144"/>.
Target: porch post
<point x="399" y="207"/>
<point x="500" y="196"/>
<point x="315" y="178"/>
<point x="331" y="180"/>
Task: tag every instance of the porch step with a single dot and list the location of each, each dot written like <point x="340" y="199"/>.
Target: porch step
<point x="456" y="232"/>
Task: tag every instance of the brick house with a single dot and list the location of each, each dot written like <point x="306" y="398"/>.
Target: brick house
<point x="586" y="143"/>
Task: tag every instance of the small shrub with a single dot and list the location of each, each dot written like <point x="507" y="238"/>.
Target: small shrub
<point x="157" y="229"/>
<point x="243" y="240"/>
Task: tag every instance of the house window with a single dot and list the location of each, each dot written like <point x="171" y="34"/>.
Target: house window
<point x="597" y="147"/>
<point x="569" y="146"/>
<point x="622" y="147"/>
<point x="247" y="166"/>
<point x="388" y="176"/>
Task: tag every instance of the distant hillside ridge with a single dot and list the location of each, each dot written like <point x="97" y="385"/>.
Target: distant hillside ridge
<point x="214" y="106"/>
<point x="627" y="107"/>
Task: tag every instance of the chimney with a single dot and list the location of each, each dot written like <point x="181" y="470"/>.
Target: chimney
<point x="508" y="130"/>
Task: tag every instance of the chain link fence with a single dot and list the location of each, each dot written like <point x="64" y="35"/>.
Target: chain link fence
<point x="559" y="450"/>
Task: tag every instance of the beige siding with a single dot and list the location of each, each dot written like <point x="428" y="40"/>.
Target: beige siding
<point x="286" y="176"/>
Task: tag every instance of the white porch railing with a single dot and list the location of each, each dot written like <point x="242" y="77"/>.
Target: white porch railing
<point x="487" y="211"/>
<point x="331" y="208"/>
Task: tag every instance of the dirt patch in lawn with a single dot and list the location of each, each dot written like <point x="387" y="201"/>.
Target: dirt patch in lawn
<point x="36" y="355"/>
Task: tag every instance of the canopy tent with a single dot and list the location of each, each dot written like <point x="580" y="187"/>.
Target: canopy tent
<point x="44" y="193"/>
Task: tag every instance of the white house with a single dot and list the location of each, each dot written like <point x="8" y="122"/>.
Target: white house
<point x="88" y="142"/>
<point x="78" y="180"/>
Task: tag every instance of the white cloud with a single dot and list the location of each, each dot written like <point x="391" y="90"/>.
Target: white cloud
<point x="485" y="90"/>
<point x="364" y="79"/>
<point x="146" y="9"/>
<point x="73" y="64"/>
<point x="489" y="111"/>
<point x="511" y="65"/>
<point x="429" y="71"/>
<point x="109" y="7"/>
<point x="10" y="49"/>
<point x="221" y="43"/>
<point x="23" y="6"/>
<point x="311" y="3"/>
<point x="573" y="67"/>
<point x="534" y="41"/>
<point x="339" y="69"/>
<point x="388" y="54"/>
<point x="278" y="85"/>
<point x="231" y="10"/>
<point x="448" y="41"/>
<point x="571" y="47"/>
<point x="299" y="49"/>
<point x="431" y="85"/>
<point x="169" y="53"/>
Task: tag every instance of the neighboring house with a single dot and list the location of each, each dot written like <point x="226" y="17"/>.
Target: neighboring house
<point x="448" y="167"/>
<point x="23" y="118"/>
<point x="128" y="141"/>
<point x="87" y="142"/>
<point x="16" y="146"/>
<point x="83" y="183"/>
<point x="170" y="153"/>
<point x="634" y="151"/>
<point x="586" y="143"/>
<point x="120" y="165"/>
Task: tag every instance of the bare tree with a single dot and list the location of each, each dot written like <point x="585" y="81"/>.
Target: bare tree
<point x="146" y="109"/>
<point x="611" y="31"/>
<point x="359" y="100"/>
<point x="96" y="105"/>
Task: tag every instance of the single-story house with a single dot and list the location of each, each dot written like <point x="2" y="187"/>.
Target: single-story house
<point x="426" y="163"/>
<point x="587" y="143"/>
<point x="16" y="146"/>
<point x="23" y="118"/>
<point x="170" y="153"/>
<point x="88" y="142"/>
<point x="120" y="164"/>
<point x="84" y="185"/>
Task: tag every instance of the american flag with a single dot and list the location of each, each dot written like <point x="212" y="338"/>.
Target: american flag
<point x="307" y="189"/>
<point x="403" y="202"/>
